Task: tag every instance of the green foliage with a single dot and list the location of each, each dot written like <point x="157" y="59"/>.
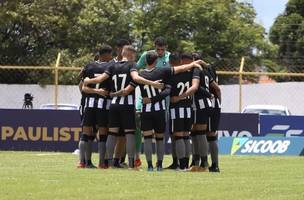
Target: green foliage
<point x="32" y="32"/>
<point x="288" y="33"/>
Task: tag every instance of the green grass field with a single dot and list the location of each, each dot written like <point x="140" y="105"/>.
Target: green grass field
<point x="32" y="175"/>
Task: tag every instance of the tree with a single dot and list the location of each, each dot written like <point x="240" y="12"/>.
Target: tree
<point x="288" y="33"/>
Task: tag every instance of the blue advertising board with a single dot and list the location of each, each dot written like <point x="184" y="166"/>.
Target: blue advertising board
<point x="262" y="146"/>
<point x="282" y="126"/>
<point x="238" y="125"/>
<point x="39" y="130"/>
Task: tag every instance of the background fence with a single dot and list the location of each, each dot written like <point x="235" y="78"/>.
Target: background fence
<point x="56" y="84"/>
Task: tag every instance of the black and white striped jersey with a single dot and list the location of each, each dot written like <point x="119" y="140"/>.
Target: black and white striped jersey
<point x="91" y="70"/>
<point x="180" y="83"/>
<point x="154" y="74"/>
<point x="212" y="71"/>
<point x="201" y="101"/>
<point x="120" y="76"/>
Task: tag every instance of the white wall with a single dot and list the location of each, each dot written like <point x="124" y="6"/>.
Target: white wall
<point x="289" y="94"/>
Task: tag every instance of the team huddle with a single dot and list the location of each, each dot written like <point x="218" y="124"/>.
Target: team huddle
<point x="178" y="94"/>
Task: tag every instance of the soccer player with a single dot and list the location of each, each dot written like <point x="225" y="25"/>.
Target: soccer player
<point x="120" y="147"/>
<point x="153" y="117"/>
<point x="96" y="110"/>
<point x="122" y="110"/>
<point x="160" y="44"/>
<point x="214" y="120"/>
<point x="183" y="87"/>
<point x="202" y="107"/>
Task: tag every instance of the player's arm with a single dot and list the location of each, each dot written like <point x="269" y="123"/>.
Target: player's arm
<point x="80" y="85"/>
<point x="97" y="79"/>
<point x="124" y="92"/>
<point x="162" y="95"/>
<point x="216" y="90"/>
<point x="141" y="80"/>
<point x="187" y="67"/>
<point x="99" y="91"/>
<point x="189" y="92"/>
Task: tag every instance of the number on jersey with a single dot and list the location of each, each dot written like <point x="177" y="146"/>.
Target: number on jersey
<point x="151" y="91"/>
<point x="183" y="87"/>
<point x="116" y="79"/>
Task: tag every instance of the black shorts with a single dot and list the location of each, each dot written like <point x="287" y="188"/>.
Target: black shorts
<point x="214" y="119"/>
<point x="181" y="119"/>
<point x="95" y="117"/>
<point x="153" y="121"/>
<point x="122" y="116"/>
<point x="201" y="116"/>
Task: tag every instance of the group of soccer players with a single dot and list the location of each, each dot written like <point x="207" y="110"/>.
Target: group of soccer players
<point x="179" y="95"/>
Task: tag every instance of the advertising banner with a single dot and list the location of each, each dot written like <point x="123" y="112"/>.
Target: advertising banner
<point x="238" y="125"/>
<point x="282" y="126"/>
<point x="39" y="130"/>
<point x="293" y="146"/>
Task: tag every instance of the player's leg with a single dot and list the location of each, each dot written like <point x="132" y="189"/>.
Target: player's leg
<point x="199" y="140"/>
<point x="178" y="132"/>
<point x="120" y="148"/>
<point x="174" y="165"/>
<point x="212" y="140"/>
<point x="188" y="121"/>
<point x="138" y="139"/>
<point x="102" y="121"/>
<point x="114" y="124"/>
<point x="159" y="126"/>
<point x="128" y="122"/>
<point x="87" y="132"/>
<point x="147" y="130"/>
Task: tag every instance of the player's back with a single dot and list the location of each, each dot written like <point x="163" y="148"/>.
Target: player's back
<point x="179" y="84"/>
<point x="163" y="74"/>
<point x="120" y="73"/>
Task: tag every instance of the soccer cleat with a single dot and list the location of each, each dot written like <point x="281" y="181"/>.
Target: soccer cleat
<point x="214" y="169"/>
<point x="173" y="166"/>
<point x="103" y="166"/>
<point x="81" y="165"/>
<point x="203" y="169"/>
<point x="117" y="165"/>
<point x="181" y="170"/>
<point x="90" y="166"/>
<point x="150" y="169"/>
<point x="194" y="169"/>
<point x="159" y="169"/>
<point x="137" y="163"/>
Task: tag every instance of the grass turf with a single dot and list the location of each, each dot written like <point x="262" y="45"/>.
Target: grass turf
<point x="32" y="175"/>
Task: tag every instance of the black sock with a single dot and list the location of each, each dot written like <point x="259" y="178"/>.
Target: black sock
<point x="182" y="163"/>
<point x="187" y="162"/>
<point x="150" y="165"/>
<point x="116" y="161"/>
<point x="175" y="161"/>
<point x="204" y="161"/>
<point x="160" y="163"/>
<point x="123" y="159"/>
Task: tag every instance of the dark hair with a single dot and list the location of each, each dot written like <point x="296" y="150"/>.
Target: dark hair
<point x="151" y="57"/>
<point x="174" y="57"/>
<point x="105" y="49"/>
<point x="122" y="42"/>
<point x="196" y="56"/>
<point x="160" y="41"/>
<point x="186" y="56"/>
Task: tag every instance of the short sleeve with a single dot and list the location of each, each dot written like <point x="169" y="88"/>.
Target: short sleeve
<point x="196" y="73"/>
<point x="141" y="63"/>
<point x="133" y="67"/>
<point x="109" y="69"/>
